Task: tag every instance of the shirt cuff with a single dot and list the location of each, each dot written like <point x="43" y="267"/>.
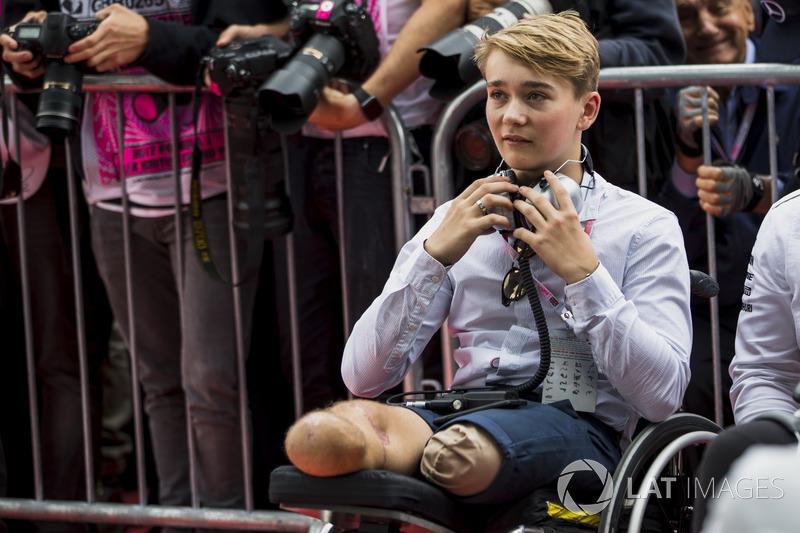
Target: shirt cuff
<point x="683" y="181"/>
<point x="593" y="296"/>
<point x="424" y="273"/>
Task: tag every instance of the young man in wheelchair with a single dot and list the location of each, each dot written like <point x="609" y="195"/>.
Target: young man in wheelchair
<point x="607" y="297"/>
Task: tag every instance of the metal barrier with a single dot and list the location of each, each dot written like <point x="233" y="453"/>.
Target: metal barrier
<point x="140" y="514"/>
<point x="406" y="203"/>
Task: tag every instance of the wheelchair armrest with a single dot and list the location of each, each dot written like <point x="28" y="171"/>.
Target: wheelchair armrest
<point x="790" y="421"/>
<point x="379" y="493"/>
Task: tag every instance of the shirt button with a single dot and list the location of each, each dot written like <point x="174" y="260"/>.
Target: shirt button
<point x="435" y="279"/>
<point x="412" y="327"/>
<point x="509" y="350"/>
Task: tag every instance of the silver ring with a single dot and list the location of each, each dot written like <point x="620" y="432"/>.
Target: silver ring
<point x="483" y="207"/>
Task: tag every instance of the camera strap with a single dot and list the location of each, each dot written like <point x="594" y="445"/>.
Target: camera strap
<point x="10" y="171"/>
<point x="255" y="190"/>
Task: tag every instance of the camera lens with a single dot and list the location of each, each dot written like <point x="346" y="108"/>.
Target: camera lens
<point x="61" y="101"/>
<point x="448" y="59"/>
<point x="292" y="93"/>
<point x="474" y="147"/>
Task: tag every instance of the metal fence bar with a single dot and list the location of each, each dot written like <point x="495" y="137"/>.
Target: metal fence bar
<point x="239" y="337"/>
<point x="162" y="515"/>
<point x="339" y="171"/>
<point x="641" y="167"/>
<point x="132" y="342"/>
<point x="713" y="302"/>
<point x="773" y="148"/>
<point x="80" y="326"/>
<point x="30" y="360"/>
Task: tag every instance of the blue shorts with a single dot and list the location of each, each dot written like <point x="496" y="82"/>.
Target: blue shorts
<point x="537" y="442"/>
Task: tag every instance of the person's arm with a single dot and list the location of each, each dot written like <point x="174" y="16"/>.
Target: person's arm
<point x="415" y="301"/>
<point x="645" y="32"/>
<point x="394" y="330"/>
<point x="766" y="367"/>
<point x="640" y="329"/>
<point x="337" y="110"/>
<point x="166" y="49"/>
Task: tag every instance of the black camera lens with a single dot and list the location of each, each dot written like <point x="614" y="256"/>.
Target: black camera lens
<point x="292" y="93"/>
<point x="61" y="101"/>
<point x="257" y="171"/>
<point x="448" y="60"/>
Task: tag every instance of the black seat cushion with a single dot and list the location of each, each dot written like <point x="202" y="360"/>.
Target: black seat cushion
<point x="379" y="489"/>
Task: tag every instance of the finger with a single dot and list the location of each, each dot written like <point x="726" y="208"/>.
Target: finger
<point x="710" y="173"/>
<point x="535" y="209"/>
<point x="82" y="49"/>
<point x="7" y="42"/>
<point x="493" y="202"/>
<point x="106" y="12"/>
<point x="23" y="56"/>
<point x="472" y="188"/>
<point x="562" y="196"/>
<point x="712" y="198"/>
<point x="227" y="35"/>
<point x="713" y="209"/>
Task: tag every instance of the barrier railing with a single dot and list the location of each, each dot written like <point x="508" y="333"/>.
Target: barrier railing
<point x="406" y="204"/>
<point x="143" y="514"/>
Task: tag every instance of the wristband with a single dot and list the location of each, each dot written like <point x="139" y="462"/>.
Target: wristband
<point x="758" y="192"/>
<point x="370" y="105"/>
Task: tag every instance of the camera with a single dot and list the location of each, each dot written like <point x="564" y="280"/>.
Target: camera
<point x="332" y="37"/>
<point x="255" y="155"/>
<point x="243" y="66"/>
<point x="541" y="186"/>
<point x="61" y="101"/>
<point x="448" y="59"/>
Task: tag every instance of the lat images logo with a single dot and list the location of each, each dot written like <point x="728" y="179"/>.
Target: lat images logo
<point x="585" y="509"/>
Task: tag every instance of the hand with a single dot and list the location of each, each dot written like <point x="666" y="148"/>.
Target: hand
<point x="337" y="109"/>
<point x="690" y="117"/>
<point x="242" y="32"/>
<point x="465" y="221"/>
<point x="23" y="62"/>
<point x="558" y="238"/>
<point x="479" y="8"/>
<point x="724" y="188"/>
<point x="120" y="39"/>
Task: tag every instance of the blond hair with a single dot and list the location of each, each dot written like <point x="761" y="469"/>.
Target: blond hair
<point x="557" y="44"/>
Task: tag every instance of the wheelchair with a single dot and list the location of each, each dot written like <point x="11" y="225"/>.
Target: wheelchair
<point x="379" y="501"/>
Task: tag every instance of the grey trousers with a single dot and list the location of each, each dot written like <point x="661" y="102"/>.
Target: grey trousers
<point x="183" y="340"/>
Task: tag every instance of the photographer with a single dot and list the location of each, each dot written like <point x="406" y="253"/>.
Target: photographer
<point x="39" y="173"/>
<point x="184" y="324"/>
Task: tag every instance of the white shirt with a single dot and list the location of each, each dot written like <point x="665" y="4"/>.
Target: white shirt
<point x="634" y="311"/>
<point x="766" y="367"/>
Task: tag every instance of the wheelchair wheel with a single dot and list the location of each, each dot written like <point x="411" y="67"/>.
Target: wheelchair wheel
<point x="691" y="429"/>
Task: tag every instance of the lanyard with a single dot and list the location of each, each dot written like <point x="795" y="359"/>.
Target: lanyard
<point x="741" y="135"/>
<point x="561" y="308"/>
